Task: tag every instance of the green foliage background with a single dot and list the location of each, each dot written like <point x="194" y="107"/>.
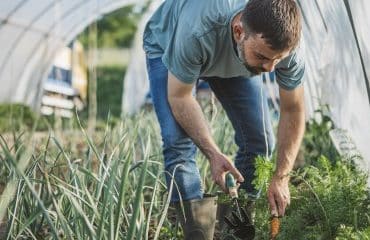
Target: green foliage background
<point x="115" y="30"/>
<point x="109" y="90"/>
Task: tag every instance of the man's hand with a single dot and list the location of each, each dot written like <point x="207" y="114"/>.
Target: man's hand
<point x="278" y="195"/>
<point x="220" y="166"/>
<point x="290" y="134"/>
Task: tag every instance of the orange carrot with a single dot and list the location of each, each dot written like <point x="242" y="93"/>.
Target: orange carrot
<point x="275" y="227"/>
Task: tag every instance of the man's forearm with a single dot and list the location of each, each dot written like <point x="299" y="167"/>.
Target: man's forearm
<point x="190" y="116"/>
<point x="290" y="133"/>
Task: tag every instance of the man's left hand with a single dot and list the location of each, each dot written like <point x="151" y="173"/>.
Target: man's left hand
<point x="278" y="195"/>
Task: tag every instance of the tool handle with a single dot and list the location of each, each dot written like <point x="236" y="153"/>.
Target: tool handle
<point x="230" y="181"/>
<point x="231" y="185"/>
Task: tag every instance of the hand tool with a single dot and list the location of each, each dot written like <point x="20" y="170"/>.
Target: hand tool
<point x="240" y="224"/>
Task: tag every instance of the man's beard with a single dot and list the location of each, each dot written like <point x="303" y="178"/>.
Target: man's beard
<point x="253" y="70"/>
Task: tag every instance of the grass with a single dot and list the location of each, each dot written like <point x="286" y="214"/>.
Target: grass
<point x="16" y="117"/>
<point x="69" y="185"/>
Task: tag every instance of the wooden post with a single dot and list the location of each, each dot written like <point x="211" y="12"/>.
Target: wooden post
<point x="92" y="80"/>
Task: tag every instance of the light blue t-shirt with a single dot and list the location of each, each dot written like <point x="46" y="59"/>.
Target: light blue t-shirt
<point x="194" y="39"/>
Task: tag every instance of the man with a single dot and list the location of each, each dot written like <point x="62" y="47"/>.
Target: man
<point x="228" y="43"/>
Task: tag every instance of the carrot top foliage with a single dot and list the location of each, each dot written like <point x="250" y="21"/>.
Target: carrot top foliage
<point x="330" y="198"/>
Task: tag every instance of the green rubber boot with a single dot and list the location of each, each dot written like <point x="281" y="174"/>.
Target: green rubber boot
<point x="198" y="217"/>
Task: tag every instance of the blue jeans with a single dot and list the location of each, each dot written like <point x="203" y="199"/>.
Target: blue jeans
<point x="241" y="99"/>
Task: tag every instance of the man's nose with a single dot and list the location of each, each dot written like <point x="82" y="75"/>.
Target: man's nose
<point x="269" y="66"/>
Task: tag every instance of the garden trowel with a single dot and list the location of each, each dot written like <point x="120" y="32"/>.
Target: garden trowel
<point x="240" y="223"/>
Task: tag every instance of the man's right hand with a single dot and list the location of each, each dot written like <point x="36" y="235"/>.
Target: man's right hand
<point x="220" y="166"/>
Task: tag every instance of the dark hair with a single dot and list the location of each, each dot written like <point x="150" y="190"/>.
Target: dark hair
<point x="279" y="22"/>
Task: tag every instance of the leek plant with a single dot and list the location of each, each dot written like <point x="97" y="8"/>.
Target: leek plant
<point x="111" y="185"/>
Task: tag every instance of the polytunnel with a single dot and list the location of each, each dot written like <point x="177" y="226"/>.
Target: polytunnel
<point x="32" y="32"/>
<point x="337" y="57"/>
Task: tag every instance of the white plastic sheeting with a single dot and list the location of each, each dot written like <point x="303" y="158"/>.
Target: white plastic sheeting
<point x="136" y="83"/>
<point x="31" y="33"/>
<point x="336" y="35"/>
<point x="338" y="65"/>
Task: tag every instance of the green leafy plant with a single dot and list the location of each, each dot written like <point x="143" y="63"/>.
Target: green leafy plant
<point x="329" y="196"/>
<point x="70" y="185"/>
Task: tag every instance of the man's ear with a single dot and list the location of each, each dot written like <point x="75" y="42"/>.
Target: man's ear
<point x="238" y="31"/>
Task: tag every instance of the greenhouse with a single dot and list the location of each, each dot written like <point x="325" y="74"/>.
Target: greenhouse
<point x="81" y="148"/>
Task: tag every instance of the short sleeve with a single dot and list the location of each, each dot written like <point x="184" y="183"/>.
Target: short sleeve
<point x="182" y="57"/>
<point x="289" y="72"/>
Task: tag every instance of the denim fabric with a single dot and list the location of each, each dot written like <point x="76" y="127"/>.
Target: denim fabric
<point x="246" y="109"/>
<point x="178" y="149"/>
<point x="241" y="99"/>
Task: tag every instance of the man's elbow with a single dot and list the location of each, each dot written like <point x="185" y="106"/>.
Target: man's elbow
<point x="297" y="108"/>
<point x="176" y="102"/>
<point x="172" y="98"/>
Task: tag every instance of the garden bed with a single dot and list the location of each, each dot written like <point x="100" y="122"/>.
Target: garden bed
<point x="111" y="185"/>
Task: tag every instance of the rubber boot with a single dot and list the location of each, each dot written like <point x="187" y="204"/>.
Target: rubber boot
<point x="198" y="217"/>
<point x="223" y="209"/>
